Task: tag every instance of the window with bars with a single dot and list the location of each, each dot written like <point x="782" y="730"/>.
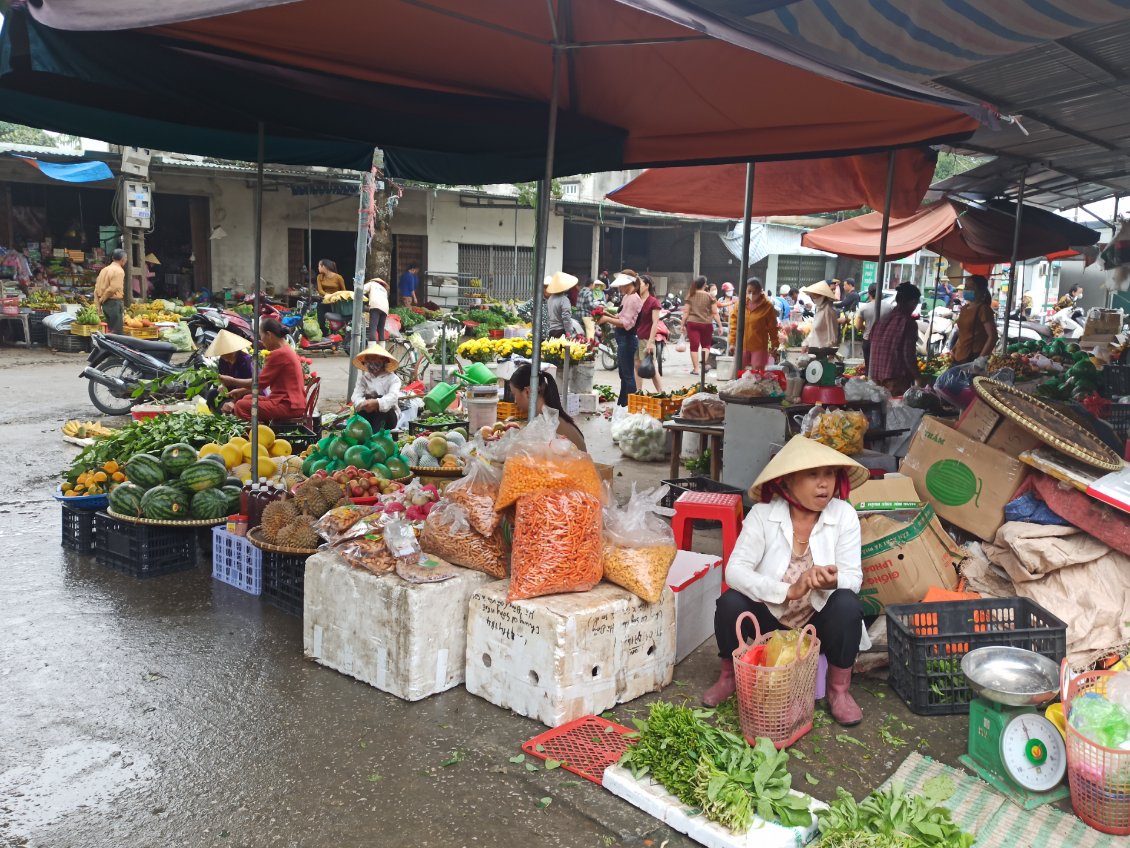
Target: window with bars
<point x="506" y="273"/>
<point x="799" y="271"/>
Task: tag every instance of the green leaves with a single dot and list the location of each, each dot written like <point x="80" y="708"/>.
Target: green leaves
<point x="892" y="818"/>
<point x="519" y="759"/>
<point x="456" y="757"/>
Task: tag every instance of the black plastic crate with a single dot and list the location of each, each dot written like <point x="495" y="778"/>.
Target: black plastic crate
<point x="67" y="342"/>
<point x="143" y="550"/>
<point x="284" y="578"/>
<point x="299" y="435"/>
<point x="927" y="641"/>
<point x="1115" y="380"/>
<point x="36" y="327"/>
<point x="416" y="427"/>
<point x="695" y="484"/>
<point x="78" y="529"/>
<point x="1118" y="417"/>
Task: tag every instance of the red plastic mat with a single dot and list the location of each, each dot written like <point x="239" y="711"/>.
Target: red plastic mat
<point x="585" y="746"/>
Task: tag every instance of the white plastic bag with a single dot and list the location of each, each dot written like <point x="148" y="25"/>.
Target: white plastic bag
<point x="639" y="545"/>
<point x="643" y="438"/>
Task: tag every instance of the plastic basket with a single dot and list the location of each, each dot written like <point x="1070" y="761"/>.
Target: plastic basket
<point x="143" y="550"/>
<point x="927" y="641"/>
<point x="1118" y="417"/>
<point x="511" y="410"/>
<point x="586" y="746"/>
<point x="777" y="702"/>
<point x="236" y="561"/>
<point x="660" y="408"/>
<point x="1115" y="380"/>
<point x="67" y="342"/>
<point x="284" y="578"/>
<point x="151" y="333"/>
<point x="9" y="306"/>
<point x="695" y="484"/>
<point x="78" y="529"/>
<point x="87" y="329"/>
<point x="1099" y="777"/>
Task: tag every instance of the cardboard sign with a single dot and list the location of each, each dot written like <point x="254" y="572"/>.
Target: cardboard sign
<point x="905" y="551"/>
<point x="967" y="483"/>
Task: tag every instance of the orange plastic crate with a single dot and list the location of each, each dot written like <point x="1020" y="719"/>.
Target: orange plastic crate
<point x="660" y="408"/>
<point x="510" y="410"/>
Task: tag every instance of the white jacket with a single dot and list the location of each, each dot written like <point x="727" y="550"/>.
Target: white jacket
<point x="377" y="296"/>
<point x="761" y="556"/>
<point x="385" y="388"/>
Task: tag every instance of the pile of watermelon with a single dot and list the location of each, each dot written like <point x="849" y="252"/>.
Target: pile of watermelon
<point x="358" y="446"/>
<point x="176" y="486"/>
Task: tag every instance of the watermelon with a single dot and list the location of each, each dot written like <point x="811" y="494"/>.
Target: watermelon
<point x="145" y="470"/>
<point x="232" y="494"/>
<point x="358" y="455"/>
<point x="203" y="475"/>
<point x="210" y="503"/>
<point x="176" y="458"/>
<point x="125" y="499"/>
<point x="217" y="458"/>
<point x="165" y="503"/>
<point x="397" y="468"/>
<point x="233" y="481"/>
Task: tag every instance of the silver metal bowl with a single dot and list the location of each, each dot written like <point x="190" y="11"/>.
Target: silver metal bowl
<point x="1012" y="676"/>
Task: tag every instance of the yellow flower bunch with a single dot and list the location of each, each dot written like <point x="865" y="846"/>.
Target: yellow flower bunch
<point x="554" y="350"/>
<point x="477" y="350"/>
<point x="509" y="347"/>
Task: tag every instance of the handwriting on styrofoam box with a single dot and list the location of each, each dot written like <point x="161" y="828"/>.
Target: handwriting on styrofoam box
<point x="508" y="620"/>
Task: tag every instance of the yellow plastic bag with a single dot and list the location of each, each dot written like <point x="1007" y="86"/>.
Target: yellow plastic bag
<point x="784" y="645"/>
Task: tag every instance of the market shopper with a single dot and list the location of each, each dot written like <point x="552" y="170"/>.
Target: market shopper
<point x="548" y="397"/>
<point x="894" y="343"/>
<point x="850" y="299"/>
<point x="282" y="387"/>
<point x="760" y="335"/>
<point x="109" y="289"/>
<point x="557" y="305"/>
<point x="407" y="284"/>
<point x="376" y="300"/>
<point x="797" y="562"/>
<point x="377" y="392"/>
<point x="586" y="303"/>
<point x="824" y="338"/>
<point x="329" y="281"/>
<point x="646" y="329"/>
<point x="865" y="322"/>
<point x="234" y="363"/>
<point x="699" y="314"/>
<point x="624" y="323"/>
<point x="976" y="324"/>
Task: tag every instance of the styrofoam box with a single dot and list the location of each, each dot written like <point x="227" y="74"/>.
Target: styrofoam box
<point x="587" y="402"/>
<point x="696" y="580"/>
<point x="560" y="657"/>
<point x="406" y="639"/>
<point x="656" y="801"/>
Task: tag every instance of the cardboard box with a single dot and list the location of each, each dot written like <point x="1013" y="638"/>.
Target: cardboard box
<point x="905" y="550"/>
<point x="968" y="483"/>
<point x="1103" y="322"/>
<point x="984" y="424"/>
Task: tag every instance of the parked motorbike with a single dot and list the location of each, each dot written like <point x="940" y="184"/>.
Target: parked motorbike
<point x="117" y="365"/>
<point x="933" y="330"/>
<point x="673" y="319"/>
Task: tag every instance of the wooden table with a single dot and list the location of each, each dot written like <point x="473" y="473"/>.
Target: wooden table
<point x="715" y="432"/>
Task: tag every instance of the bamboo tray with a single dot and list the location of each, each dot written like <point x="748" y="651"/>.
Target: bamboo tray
<point x="155" y="522"/>
<point x="253" y="538"/>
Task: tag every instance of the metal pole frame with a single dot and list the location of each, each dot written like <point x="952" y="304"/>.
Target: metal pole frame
<point x="255" y="345"/>
<point x="363" y="238"/>
<point x="881" y="271"/>
<point x="541" y="243"/>
<point x="747" y="216"/>
<point x="1015" y="250"/>
<point x="933" y="309"/>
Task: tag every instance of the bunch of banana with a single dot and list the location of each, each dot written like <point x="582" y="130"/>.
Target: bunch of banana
<point x="334" y="297"/>
<point x="86" y="430"/>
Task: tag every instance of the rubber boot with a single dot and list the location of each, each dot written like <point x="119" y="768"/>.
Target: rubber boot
<point x="842" y="705"/>
<point x="723" y="688"/>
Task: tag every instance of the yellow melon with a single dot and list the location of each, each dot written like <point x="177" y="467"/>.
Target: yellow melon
<point x="209" y="449"/>
<point x="281" y="447"/>
<point x="233" y="455"/>
<point x="266" y="435"/>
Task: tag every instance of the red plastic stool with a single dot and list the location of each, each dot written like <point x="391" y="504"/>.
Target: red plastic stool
<point x="711" y="506"/>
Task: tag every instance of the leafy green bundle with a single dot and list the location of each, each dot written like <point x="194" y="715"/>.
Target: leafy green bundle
<point x="892" y="818"/>
<point x="715" y="771"/>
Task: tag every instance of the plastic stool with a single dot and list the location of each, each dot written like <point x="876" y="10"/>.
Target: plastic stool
<point x="711" y="506"/>
<point x="821" y="677"/>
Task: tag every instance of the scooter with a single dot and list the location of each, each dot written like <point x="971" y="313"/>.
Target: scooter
<point x="117" y="365"/>
<point x="933" y="329"/>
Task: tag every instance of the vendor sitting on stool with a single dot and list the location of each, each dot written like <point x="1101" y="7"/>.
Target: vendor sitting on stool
<point x="233" y="363"/>
<point x="797" y="562"/>
<point x="378" y="387"/>
<point x="281" y="377"/>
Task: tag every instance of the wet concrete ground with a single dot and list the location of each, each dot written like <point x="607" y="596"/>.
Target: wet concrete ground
<point x="179" y="711"/>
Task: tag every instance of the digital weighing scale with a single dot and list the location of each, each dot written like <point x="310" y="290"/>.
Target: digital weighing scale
<point x="1011" y="746"/>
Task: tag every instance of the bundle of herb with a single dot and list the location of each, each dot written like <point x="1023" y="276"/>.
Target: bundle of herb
<point x="714" y="770"/>
<point x="892" y="818"/>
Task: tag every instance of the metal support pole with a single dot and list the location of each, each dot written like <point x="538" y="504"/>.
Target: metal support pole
<point x="545" y="198"/>
<point x="933" y="309"/>
<point x="1015" y="250"/>
<point x="310" y="263"/>
<point x="747" y="216"/>
<point x="881" y="271"/>
<point x="359" y="275"/>
<point x="255" y="348"/>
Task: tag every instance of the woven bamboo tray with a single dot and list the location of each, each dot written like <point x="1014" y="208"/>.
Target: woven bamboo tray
<point x="253" y="538"/>
<point x="154" y="522"/>
<point x="436" y="472"/>
<point x="1047" y="424"/>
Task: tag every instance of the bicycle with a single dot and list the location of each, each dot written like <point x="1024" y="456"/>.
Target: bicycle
<point x="411" y="356"/>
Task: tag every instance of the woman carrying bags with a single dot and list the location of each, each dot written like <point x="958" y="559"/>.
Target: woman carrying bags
<point x="797" y="562"/>
<point x="378" y="388"/>
<point x="646" y="328"/>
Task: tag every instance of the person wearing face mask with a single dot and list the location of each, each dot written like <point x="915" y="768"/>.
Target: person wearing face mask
<point x="760" y="327"/>
<point x="824" y="338"/>
<point x="797" y="562"/>
<point x="976" y="325"/>
<point x="377" y="392"/>
<point x="1073" y="296"/>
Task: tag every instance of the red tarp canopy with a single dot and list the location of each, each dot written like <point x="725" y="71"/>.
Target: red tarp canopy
<point x="682" y="93"/>
<point x="795" y="187"/>
<point x="957" y="232"/>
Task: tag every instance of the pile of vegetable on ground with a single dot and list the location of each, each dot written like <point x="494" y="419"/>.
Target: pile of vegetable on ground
<point x="892" y="818"/>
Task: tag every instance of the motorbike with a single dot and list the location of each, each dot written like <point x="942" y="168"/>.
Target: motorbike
<point x="117" y="365"/>
<point x="673" y="319"/>
<point x="933" y="330"/>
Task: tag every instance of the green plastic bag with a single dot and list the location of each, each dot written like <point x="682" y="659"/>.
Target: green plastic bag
<point x="311" y="330"/>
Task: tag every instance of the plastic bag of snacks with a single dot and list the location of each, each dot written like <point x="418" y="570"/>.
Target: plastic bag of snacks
<point x="557" y="544"/>
<point x="643" y="438"/>
<point x="750" y="384"/>
<point x="639" y="546"/>
<point x="476" y="491"/>
<point x="703" y="406"/>
<point x="334" y="523"/>
<point x="536" y="464"/>
<point x="784" y="645"/>
<point x="448" y="533"/>
<point x="840" y="429"/>
<point x="368" y="552"/>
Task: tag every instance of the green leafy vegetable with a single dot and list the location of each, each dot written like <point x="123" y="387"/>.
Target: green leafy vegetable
<point x="892" y="818"/>
<point x="519" y="759"/>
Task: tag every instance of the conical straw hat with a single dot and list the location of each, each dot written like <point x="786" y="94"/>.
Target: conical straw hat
<point x="801" y="454"/>
<point x="372" y="350"/>
<point x="821" y="288"/>
<point x="560" y="282"/>
<point x="226" y="342"/>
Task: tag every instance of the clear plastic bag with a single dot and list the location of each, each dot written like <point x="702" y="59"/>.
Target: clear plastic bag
<point x="784" y="645"/>
<point x="751" y="385"/>
<point x="839" y="429"/>
<point x="557" y="544"/>
<point x="401" y="541"/>
<point x="476" y="491"/>
<point x="448" y="533"/>
<point x="368" y="552"/>
<point x="537" y="464"/>
<point x="643" y="438"/>
<point x="333" y="525"/>
<point x="955" y="385"/>
<point x="639" y="546"/>
<point x="702" y="407"/>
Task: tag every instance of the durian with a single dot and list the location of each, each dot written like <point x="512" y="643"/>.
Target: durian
<point x="276" y="516"/>
<point x="298" y="535"/>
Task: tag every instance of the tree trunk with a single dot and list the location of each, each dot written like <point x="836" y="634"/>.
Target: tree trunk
<point x="379" y="261"/>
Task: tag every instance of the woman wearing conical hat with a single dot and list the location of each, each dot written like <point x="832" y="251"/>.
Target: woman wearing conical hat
<point x="377" y="393"/>
<point x="797" y="562"/>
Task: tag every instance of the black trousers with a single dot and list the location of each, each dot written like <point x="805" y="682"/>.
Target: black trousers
<point x="381" y="420"/>
<point x="377" y="325"/>
<point x="866" y="354"/>
<point x="839" y="626"/>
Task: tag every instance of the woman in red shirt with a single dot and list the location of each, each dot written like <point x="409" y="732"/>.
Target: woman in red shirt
<point x="646" y="327"/>
<point x="281" y="375"/>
